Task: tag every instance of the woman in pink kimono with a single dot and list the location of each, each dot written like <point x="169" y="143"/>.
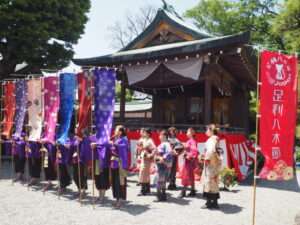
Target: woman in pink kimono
<point x="189" y="165"/>
<point x="212" y="166"/>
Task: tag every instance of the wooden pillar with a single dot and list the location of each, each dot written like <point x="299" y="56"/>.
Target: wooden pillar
<point x="122" y="102"/>
<point x="208" y="102"/>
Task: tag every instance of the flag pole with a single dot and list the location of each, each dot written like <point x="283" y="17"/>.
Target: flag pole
<point x="78" y="158"/>
<point x="57" y="169"/>
<point x="1" y="128"/>
<point x="43" y="168"/>
<point x="43" y="145"/>
<point x="93" y="172"/>
<point x="58" y="152"/>
<point x="12" y="145"/>
<point x="256" y="135"/>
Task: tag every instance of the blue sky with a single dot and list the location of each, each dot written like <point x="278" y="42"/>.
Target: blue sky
<point x="94" y="41"/>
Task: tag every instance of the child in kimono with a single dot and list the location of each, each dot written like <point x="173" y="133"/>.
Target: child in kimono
<point x="177" y="148"/>
<point x="147" y="147"/>
<point x="189" y="164"/>
<point x="138" y="152"/>
<point x="119" y="149"/>
<point x="163" y="160"/>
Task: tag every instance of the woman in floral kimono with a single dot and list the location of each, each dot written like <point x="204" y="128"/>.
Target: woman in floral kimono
<point x="163" y="160"/>
<point x="119" y="149"/>
<point x="212" y="166"/>
<point x="189" y="164"/>
<point x="147" y="147"/>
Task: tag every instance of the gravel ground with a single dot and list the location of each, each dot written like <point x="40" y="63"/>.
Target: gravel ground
<point x="278" y="203"/>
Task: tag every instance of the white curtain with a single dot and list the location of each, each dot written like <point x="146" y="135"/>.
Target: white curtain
<point x="140" y="72"/>
<point x="189" y="68"/>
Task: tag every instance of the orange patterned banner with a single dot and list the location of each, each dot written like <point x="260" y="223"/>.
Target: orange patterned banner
<point x="9" y="108"/>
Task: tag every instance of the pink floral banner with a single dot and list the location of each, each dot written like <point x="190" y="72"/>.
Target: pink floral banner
<point x="51" y="106"/>
<point x="35" y="108"/>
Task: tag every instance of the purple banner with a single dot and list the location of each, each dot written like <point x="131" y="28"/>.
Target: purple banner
<point x="105" y="85"/>
<point x="21" y="102"/>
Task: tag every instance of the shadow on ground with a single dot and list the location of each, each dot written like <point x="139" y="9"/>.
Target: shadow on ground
<point x="289" y="185"/>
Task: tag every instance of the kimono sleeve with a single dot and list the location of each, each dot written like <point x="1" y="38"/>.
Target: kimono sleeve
<point x="192" y="144"/>
<point x="210" y="148"/>
<point x="167" y="155"/>
<point x="122" y="147"/>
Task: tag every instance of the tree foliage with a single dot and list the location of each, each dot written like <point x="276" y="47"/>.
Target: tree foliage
<point x="128" y="96"/>
<point x="287" y="24"/>
<point x="40" y="33"/>
<point x="226" y="17"/>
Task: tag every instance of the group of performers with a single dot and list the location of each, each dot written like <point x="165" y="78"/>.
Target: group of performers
<point x="111" y="161"/>
<point x="165" y="158"/>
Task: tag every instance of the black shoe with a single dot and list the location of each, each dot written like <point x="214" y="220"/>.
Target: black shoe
<point x="215" y="204"/>
<point x="147" y="189"/>
<point x="159" y="197"/>
<point x="164" y="196"/>
<point x="172" y="187"/>
<point x="143" y="190"/>
<point x="192" y="193"/>
<point x="207" y="205"/>
<point x="182" y="194"/>
<point x="138" y="184"/>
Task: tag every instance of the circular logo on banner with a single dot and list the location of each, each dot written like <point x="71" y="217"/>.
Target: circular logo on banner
<point x="278" y="71"/>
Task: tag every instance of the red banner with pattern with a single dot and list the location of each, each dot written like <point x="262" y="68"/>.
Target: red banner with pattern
<point x="85" y="83"/>
<point x="9" y="101"/>
<point x="278" y="106"/>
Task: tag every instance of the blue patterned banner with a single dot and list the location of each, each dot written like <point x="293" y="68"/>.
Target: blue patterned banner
<point x="105" y="85"/>
<point x="21" y="102"/>
<point x="67" y="100"/>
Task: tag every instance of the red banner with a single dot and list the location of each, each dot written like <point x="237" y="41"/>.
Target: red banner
<point x="278" y="114"/>
<point x="9" y="102"/>
<point x="85" y="81"/>
<point x="240" y="152"/>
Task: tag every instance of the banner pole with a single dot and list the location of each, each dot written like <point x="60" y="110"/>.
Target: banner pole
<point x="43" y="168"/>
<point x="1" y="128"/>
<point x="257" y="137"/>
<point x="57" y="148"/>
<point x="26" y="125"/>
<point x="12" y="144"/>
<point x="57" y="169"/>
<point x="93" y="164"/>
<point x="78" y="158"/>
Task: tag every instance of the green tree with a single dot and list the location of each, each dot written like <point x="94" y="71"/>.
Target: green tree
<point x="128" y="96"/>
<point x="39" y="32"/>
<point x="226" y="17"/>
<point x="287" y="24"/>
